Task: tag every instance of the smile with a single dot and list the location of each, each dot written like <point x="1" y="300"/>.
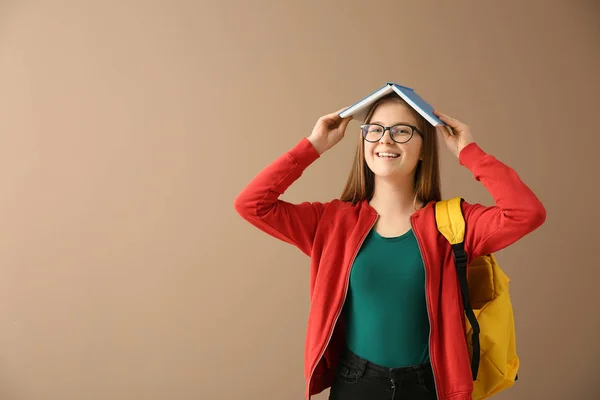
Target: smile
<point x="387" y="155"/>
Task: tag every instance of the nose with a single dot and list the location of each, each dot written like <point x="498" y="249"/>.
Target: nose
<point x="386" y="138"/>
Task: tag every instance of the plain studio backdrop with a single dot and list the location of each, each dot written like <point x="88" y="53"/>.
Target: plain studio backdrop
<point x="128" y="128"/>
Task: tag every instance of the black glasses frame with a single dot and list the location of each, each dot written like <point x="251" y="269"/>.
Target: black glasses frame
<point x="389" y="128"/>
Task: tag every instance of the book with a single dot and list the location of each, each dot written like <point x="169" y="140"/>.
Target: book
<point x="360" y="109"/>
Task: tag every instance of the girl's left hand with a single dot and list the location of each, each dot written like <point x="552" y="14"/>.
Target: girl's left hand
<point x="461" y="136"/>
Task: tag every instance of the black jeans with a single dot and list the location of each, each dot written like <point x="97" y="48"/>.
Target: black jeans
<point x="359" y="379"/>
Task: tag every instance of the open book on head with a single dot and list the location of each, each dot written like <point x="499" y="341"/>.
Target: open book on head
<point x="360" y="109"/>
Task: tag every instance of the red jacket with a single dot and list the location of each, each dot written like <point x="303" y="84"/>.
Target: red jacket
<point x="331" y="234"/>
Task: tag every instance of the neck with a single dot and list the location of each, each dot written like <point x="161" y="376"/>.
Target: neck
<point x="394" y="197"/>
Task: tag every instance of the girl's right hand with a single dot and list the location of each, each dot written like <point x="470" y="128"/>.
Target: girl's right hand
<point x="328" y="131"/>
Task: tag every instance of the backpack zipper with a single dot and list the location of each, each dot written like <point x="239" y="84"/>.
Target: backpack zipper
<point x="341" y="304"/>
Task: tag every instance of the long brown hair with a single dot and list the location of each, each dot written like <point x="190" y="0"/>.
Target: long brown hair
<point x="361" y="181"/>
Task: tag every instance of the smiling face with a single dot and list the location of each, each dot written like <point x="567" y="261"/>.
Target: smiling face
<point x="368" y="167"/>
<point x="386" y="158"/>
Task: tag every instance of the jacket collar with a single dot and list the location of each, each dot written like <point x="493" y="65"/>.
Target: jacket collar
<point x="364" y="204"/>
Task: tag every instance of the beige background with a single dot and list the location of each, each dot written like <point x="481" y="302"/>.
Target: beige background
<point x="127" y="129"/>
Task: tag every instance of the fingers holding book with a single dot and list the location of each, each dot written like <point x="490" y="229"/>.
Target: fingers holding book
<point x="328" y="131"/>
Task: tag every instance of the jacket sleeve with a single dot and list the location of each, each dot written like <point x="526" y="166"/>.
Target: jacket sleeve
<point x="516" y="213"/>
<point x="259" y="203"/>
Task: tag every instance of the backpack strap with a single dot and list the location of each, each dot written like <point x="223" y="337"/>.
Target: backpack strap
<point x="451" y="224"/>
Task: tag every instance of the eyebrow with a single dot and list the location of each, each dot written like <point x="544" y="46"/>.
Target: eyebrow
<point x="397" y="123"/>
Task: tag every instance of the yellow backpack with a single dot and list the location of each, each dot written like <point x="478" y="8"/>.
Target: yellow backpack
<point x="486" y="299"/>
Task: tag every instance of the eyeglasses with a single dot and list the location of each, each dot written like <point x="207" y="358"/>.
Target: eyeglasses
<point x="400" y="133"/>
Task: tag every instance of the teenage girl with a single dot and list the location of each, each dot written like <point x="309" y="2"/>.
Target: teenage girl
<point x="386" y="318"/>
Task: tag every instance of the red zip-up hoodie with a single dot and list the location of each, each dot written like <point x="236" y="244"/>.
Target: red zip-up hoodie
<point x="331" y="233"/>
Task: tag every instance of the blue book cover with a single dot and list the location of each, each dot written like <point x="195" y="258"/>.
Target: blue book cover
<point x="360" y="109"/>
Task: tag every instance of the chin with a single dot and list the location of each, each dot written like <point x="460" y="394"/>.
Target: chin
<point x="388" y="174"/>
<point x="397" y="172"/>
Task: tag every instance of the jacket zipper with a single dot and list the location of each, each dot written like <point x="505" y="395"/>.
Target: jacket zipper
<point x="341" y="305"/>
<point x="428" y="311"/>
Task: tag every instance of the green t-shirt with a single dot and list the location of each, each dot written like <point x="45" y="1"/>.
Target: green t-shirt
<point x="385" y="309"/>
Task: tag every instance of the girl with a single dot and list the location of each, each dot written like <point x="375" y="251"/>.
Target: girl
<point x="386" y="318"/>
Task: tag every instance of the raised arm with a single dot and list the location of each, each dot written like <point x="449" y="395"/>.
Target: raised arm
<point x="516" y="211"/>
<point x="259" y="201"/>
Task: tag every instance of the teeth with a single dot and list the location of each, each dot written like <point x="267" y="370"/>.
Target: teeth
<point x="388" y="155"/>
